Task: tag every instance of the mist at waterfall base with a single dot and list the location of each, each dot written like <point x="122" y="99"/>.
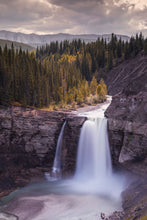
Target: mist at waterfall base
<point x="94" y="167"/>
<point x="93" y="189"/>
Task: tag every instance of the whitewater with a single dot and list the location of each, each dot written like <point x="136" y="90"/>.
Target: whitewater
<point x="94" y="188"/>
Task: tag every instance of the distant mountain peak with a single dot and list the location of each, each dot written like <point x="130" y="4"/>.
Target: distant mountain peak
<point x="38" y="40"/>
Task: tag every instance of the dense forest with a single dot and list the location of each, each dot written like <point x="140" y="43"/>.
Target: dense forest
<point x="62" y="73"/>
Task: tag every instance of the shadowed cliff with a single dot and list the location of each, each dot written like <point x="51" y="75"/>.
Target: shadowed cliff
<point x="127" y="127"/>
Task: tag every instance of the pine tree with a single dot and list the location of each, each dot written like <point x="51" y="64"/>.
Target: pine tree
<point x="93" y="86"/>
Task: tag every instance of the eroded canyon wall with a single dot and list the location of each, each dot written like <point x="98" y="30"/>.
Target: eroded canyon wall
<point x="28" y="139"/>
<point x="127" y="114"/>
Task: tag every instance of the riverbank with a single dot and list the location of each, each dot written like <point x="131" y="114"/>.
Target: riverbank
<point x="76" y="202"/>
<point x="21" y="127"/>
<point x="134" y="201"/>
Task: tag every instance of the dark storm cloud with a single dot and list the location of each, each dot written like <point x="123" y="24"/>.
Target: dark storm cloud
<point x="68" y="3"/>
<point x="23" y="10"/>
<point x="74" y="16"/>
<point x="86" y="6"/>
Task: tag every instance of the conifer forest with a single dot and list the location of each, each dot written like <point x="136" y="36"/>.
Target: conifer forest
<point x="64" y="72"/>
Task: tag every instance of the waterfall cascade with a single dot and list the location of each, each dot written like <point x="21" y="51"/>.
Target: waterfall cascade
<point x="93" y="160"/>
<point x="93" y="167"/>
<point x="56" y="169"/>
<point x="94" y="172"/>
<point x="94" y="189"/>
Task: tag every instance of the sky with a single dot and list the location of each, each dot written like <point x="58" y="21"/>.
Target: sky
<point x="74" y="16"/>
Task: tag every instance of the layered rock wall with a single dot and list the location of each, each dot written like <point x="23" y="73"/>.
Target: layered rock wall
<point x="127" y="126"/>
<point x="127" y="114"/>
<point x="28" y="139"/>
<point x="70" y="143"/>
<point x="29" y="131"/>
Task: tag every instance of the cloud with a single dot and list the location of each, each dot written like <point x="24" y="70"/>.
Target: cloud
<point x="76" y="17"/>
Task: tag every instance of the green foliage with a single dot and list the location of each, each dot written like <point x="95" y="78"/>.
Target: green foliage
<point x="101" y="91"/>
<point x="79" y="97"/>
<point x="60" y="94"/>
<point x="61" y="73"/>
<point x="29" y="81"/>
<point x="104" y="87"/>
<point x="93" y="86"/>
<point x="16" y="45"/>
<point x="92" y="58"/>
<point x="84" y="89"/>
<point x="70" y="97"/>
<point x="143" y="218"/>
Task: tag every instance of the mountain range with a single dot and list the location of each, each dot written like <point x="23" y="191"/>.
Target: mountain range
<point x="16" y="45"/>
<point x="38" y="40"/>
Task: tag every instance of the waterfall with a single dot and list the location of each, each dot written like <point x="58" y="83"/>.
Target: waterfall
<point x="94" y="173"/>
<point x="93" y="190"/>
<point x="56" y="169"/>
<point x="94" y="167"/>
<point x="93" y="160"/>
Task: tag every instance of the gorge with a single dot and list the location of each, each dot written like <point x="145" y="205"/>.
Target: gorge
<point x="89" y="183"/>
<point x="28" y="138"/>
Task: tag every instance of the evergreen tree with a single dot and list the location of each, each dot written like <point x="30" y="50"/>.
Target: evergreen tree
<point x="59" y="73"/>
<point x="93" y="86"/>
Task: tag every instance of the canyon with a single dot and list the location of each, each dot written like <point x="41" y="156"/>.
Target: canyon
<point x="28" y="137"/>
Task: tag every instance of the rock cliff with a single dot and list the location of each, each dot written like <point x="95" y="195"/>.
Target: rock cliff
<point x="28" y="139"/>
<point x="129" y="77"/>
<point x="70" y="142"/>
<point x="127" y="121"/>
<point x="127" y="127"/>
<point x="128" y="131"/>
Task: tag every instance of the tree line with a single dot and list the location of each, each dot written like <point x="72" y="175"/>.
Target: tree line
<point x="96" y="58"/>
<point x="33" y="82"/>
<point x="64" y="73"/>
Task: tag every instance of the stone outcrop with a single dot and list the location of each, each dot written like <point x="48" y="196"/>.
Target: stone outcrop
<point x="129" y="77"/>
<point x="127" y="125"/>
<point x="28" y="139"/>
<point x="127" y="114"/>
<point x="6" y="216"/>
<point x="70" y="143"/>
<point x="29" y="131"/>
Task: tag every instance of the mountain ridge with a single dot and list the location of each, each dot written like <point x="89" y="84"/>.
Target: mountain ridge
<point x="38" y="40"/>
<point x="16" y="45"/>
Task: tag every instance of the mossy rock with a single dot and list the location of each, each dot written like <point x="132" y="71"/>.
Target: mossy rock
<point x="143" y="218"/>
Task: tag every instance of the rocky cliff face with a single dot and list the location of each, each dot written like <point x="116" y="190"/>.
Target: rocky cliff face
<point x="70" y="142"/>
<point x="127" y="113"/>
<point x="127" y="127"/>
<point x="129" y="77"/>
<point x="28" y="139"/>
